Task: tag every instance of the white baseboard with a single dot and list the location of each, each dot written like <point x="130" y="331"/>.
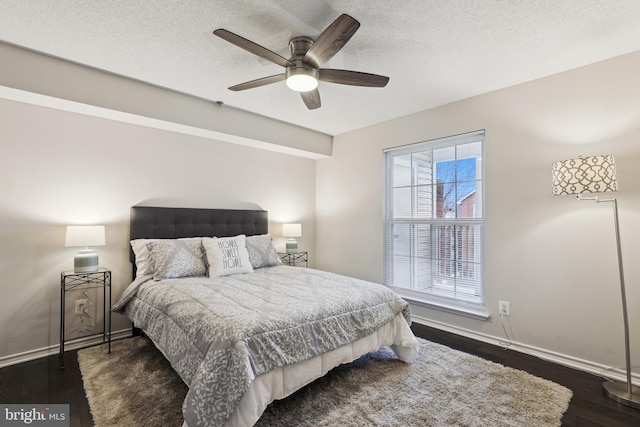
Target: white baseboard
<point x="617" y="374"/>
<point x="26" y="356"/>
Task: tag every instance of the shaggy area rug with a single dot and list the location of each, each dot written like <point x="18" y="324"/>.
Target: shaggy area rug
<point x="135" y="386"/>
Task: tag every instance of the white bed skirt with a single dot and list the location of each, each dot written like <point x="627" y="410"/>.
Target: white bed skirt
<point x="281" y="382"/>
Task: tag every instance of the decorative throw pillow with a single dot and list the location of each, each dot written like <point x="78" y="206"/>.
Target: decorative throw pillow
<point x="173" y="258"/>
<point x="227" y="255"/>
<point x="261" y="251"/>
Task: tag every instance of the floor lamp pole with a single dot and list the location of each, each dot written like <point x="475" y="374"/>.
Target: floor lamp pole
<point x="627" y="394"/>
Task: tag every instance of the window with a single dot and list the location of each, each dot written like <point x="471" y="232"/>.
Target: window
<point x="433" y="225"/>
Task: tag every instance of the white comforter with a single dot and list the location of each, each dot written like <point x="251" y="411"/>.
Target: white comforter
<point x="241" y="341"/>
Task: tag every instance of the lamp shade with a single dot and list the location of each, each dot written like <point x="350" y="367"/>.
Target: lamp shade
<point x="595" y="174"/>
<point x="85" y="235"/>
<point x="292" y="230"/>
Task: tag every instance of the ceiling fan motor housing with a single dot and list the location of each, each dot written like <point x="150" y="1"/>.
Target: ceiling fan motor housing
<point x="299" y="46"/>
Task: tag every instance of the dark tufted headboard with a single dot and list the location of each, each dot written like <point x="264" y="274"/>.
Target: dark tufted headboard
<point x="171" y="223"/>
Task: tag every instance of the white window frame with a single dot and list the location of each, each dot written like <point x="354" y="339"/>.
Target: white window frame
<point x="475" y="309"/>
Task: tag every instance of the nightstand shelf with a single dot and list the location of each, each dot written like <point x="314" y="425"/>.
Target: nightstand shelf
<point x="293" y="258"/>
<point x="71" y="281"/>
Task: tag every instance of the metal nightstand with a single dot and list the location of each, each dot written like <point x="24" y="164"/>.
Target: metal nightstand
<point x="71" y="281"/>
<point x="293" y="258"/>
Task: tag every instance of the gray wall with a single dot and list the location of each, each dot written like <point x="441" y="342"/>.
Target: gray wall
<point x="59" y="168"/>
<point x="553" y="258"/>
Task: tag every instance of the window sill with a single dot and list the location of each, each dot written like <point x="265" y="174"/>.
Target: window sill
<point x="461" y="311"/>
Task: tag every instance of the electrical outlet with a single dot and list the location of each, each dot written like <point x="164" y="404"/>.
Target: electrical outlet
<point x="504" y="308"/>
<point x="82" y="305"/>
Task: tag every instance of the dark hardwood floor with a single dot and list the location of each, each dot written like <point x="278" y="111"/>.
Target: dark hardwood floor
<point x="41" y="381"/>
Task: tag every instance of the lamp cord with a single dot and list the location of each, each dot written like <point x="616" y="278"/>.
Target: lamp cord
<point x="85" y="318"/>
<point x="505" y="345"/>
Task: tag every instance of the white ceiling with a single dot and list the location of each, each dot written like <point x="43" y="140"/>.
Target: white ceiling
<point x="434" y="51"/>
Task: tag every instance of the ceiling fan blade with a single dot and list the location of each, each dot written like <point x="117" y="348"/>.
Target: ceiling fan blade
<point x="311" y="99"/>
<point x="353" y="78"/>
<point x="258" y="82"/>
<point x="252" y="47"/>
<point x="332" y="39"/>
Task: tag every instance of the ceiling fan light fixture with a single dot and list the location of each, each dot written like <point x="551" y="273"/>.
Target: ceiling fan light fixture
<point x="302" y="79"/>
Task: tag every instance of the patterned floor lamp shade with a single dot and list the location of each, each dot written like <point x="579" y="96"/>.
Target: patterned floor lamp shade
<point x="597" y="174"/>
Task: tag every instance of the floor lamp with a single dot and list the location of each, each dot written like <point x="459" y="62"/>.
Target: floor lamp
<point x="597" y="174"/>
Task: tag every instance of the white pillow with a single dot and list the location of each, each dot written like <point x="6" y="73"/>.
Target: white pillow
<point x="139" y="247"/>
<point x="227" y="255"/>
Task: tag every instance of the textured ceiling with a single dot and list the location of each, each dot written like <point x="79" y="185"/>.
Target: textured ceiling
<point x="434" y="51"/>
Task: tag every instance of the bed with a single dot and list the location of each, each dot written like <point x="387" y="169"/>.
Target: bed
<point x="244" y="330"/>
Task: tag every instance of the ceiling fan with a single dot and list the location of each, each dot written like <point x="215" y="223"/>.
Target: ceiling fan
<point x="302" y="70"/>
